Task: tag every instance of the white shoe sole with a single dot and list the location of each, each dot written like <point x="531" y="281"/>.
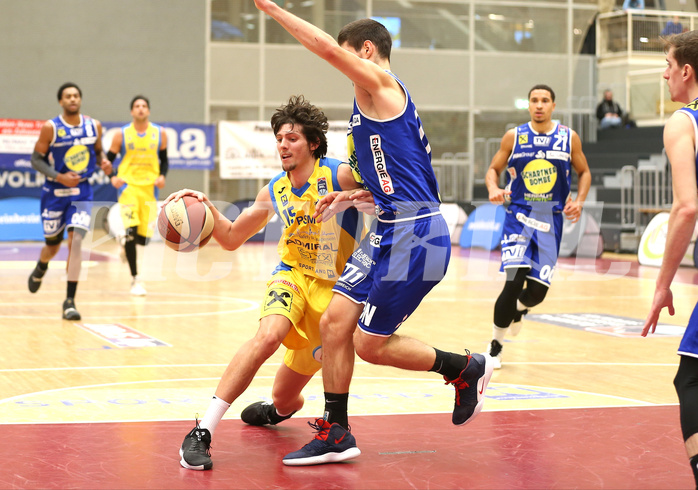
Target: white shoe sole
<point x="188" y="466"/>
<point x="350" y="453"/>
<point x="482" y="387"/>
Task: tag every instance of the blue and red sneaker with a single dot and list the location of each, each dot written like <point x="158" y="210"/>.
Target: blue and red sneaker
<point x="332" y="444"/>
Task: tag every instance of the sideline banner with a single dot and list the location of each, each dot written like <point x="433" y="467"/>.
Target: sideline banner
<point x="653" y="241"/>
<point x="17" y="140"/>
<point x="189" y="146"/>
<point x="247" y="149"/>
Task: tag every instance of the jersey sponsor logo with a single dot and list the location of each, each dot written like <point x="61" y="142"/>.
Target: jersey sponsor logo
<point x="380" y="165"/>
<point x="77" y="158"/>
<point x="375" y="240"/>
<point x="524" y="154"/>
<point x="278" y="298"/>
<point x="355" y="120"/>
<point x="539" y="176"/>
<point x="70" y="191"/>
<point x="533" y="223"/>
<point x="514" y="252"/>
<point x="523" y="139"/>
<point x="322" y="186"/>
<point x="541" y="140"/>
<point x="557" y="155"/>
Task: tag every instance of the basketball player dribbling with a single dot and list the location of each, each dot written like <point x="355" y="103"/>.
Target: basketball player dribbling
<point x="406" y="254"/>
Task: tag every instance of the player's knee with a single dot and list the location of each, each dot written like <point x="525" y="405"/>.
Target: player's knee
<point x="334" y="328"/>
<point x="369" y="347"/>
<point x="267" y="341"/>
<point x="535" y="294"/>
<point x="686" y="384"/>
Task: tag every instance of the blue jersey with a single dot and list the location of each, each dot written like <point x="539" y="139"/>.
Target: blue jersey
<point x="394" y="159"/>
<point x="539" y="168"/>
<point x="73" y="147"/>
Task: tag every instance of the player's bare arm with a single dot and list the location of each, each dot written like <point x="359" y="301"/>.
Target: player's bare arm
<point x="42" y="146"/>
<point x="104" y="163"/>
<point x="573" y="208"/>
<point x="679" y="144"/>
<point x="499" y="162"/>
<point x="115" y="148"/>
<point x="231" y="234"/>
<point x="377" y="93"/>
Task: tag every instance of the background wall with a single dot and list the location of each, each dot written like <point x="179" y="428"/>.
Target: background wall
<point x="113" y="50"/>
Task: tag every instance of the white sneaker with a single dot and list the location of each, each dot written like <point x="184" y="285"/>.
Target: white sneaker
<point x="137" y="288"/>
<point x="494" y="350"/>
<point x="517" y="324"/>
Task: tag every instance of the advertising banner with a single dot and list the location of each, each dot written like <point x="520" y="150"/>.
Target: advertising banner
<point x="247" y="149"/>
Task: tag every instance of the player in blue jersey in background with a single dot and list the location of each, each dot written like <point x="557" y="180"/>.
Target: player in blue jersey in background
<point x="67" y="152"/>
<point x="405" y="255"/>
<point x="681" y="143"/>
<point x="538" y="157"/>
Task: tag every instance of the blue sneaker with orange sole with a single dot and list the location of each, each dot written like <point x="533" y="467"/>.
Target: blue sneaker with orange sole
<point x="470" y="387"/>
<point x="332" y="444"/>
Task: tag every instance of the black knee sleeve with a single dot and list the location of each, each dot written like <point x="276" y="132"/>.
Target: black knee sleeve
<point x="142" y="240"/>
<point x="505" y="307"/>
<point x="54" y="240"/>
<point x="686" y="384"/>
<point x="534" y="294"/>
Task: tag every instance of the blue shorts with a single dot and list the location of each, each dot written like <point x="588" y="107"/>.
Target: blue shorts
<point x="65" y="206"/>
<point x="531" y="240"/>
<point x="689" y="342"/>
<point x="395" y="266"/>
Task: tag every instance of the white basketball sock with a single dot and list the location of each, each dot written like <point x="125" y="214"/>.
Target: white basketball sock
<point x="498" y="333"/>
<point x="214" y="414"/>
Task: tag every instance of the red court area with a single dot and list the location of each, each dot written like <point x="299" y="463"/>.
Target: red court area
<point x="617" y="448"/>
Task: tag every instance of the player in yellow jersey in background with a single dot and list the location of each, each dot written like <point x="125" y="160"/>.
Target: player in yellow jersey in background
<point x="143" y="167"/>
<point x="313" y="255"/>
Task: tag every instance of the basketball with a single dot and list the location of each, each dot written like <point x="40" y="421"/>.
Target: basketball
<point x="186" y="224"/>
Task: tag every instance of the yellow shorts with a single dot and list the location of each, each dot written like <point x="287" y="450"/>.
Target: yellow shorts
<point x="139" y="208"/>
<point x="302" y="299"/>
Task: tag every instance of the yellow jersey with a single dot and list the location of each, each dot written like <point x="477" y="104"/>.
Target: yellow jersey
<point x="140" y="164"/>
<point x="318" y="249"/>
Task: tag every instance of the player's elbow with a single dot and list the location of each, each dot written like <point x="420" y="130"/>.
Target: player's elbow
<point x="687" y="211"/>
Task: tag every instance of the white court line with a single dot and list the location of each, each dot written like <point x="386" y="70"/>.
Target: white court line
<point x="538" y="388"/>
<point x="357" y="363"/>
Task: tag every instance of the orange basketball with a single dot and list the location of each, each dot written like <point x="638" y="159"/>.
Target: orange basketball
<point x="186" y="224"/>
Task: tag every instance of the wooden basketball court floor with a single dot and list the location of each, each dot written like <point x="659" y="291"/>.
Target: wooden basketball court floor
<point x="581" y="402"/>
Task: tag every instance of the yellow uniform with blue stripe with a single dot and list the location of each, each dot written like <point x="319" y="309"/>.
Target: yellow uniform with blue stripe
<point x="139" y="167"/>
<point x="313" y="255"/>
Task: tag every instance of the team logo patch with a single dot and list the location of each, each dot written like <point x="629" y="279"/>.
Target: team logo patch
<point x="539" y="176"/>
<point x="356" y="120"/>
<point x="278" y="298"/>
<point x="322" y="186"/>
<point x="523" y="139"/>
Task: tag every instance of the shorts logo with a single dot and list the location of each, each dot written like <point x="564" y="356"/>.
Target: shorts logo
<point x="375" y="240"/>
<point x="367" y="314"/>
<point x="513" y="252"/>
<point x="51" y="226"/>
<point x="278" y="298"/>
<point x="380" y="165"/>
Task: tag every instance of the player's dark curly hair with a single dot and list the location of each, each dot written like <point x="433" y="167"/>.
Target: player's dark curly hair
<point x="312" y="120"/>
<point x="355" y="33"/>
<point x="65" y="86"/>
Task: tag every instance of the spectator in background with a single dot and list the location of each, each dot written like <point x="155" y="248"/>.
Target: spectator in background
<point x="672" y="26"/>
<point x="608" y="112"/>
<point x="633" y="4"/>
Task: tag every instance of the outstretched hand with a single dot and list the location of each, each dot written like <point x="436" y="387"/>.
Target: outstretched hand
<point x="338" y="201"/>
<point x="662" y="298"/>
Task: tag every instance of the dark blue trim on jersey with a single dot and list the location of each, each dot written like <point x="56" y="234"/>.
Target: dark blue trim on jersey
<point x="282" y="267"/>
<point x="271" y="195"/>
<point x="301" y="191"/>
<point x="333" y="164"/>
